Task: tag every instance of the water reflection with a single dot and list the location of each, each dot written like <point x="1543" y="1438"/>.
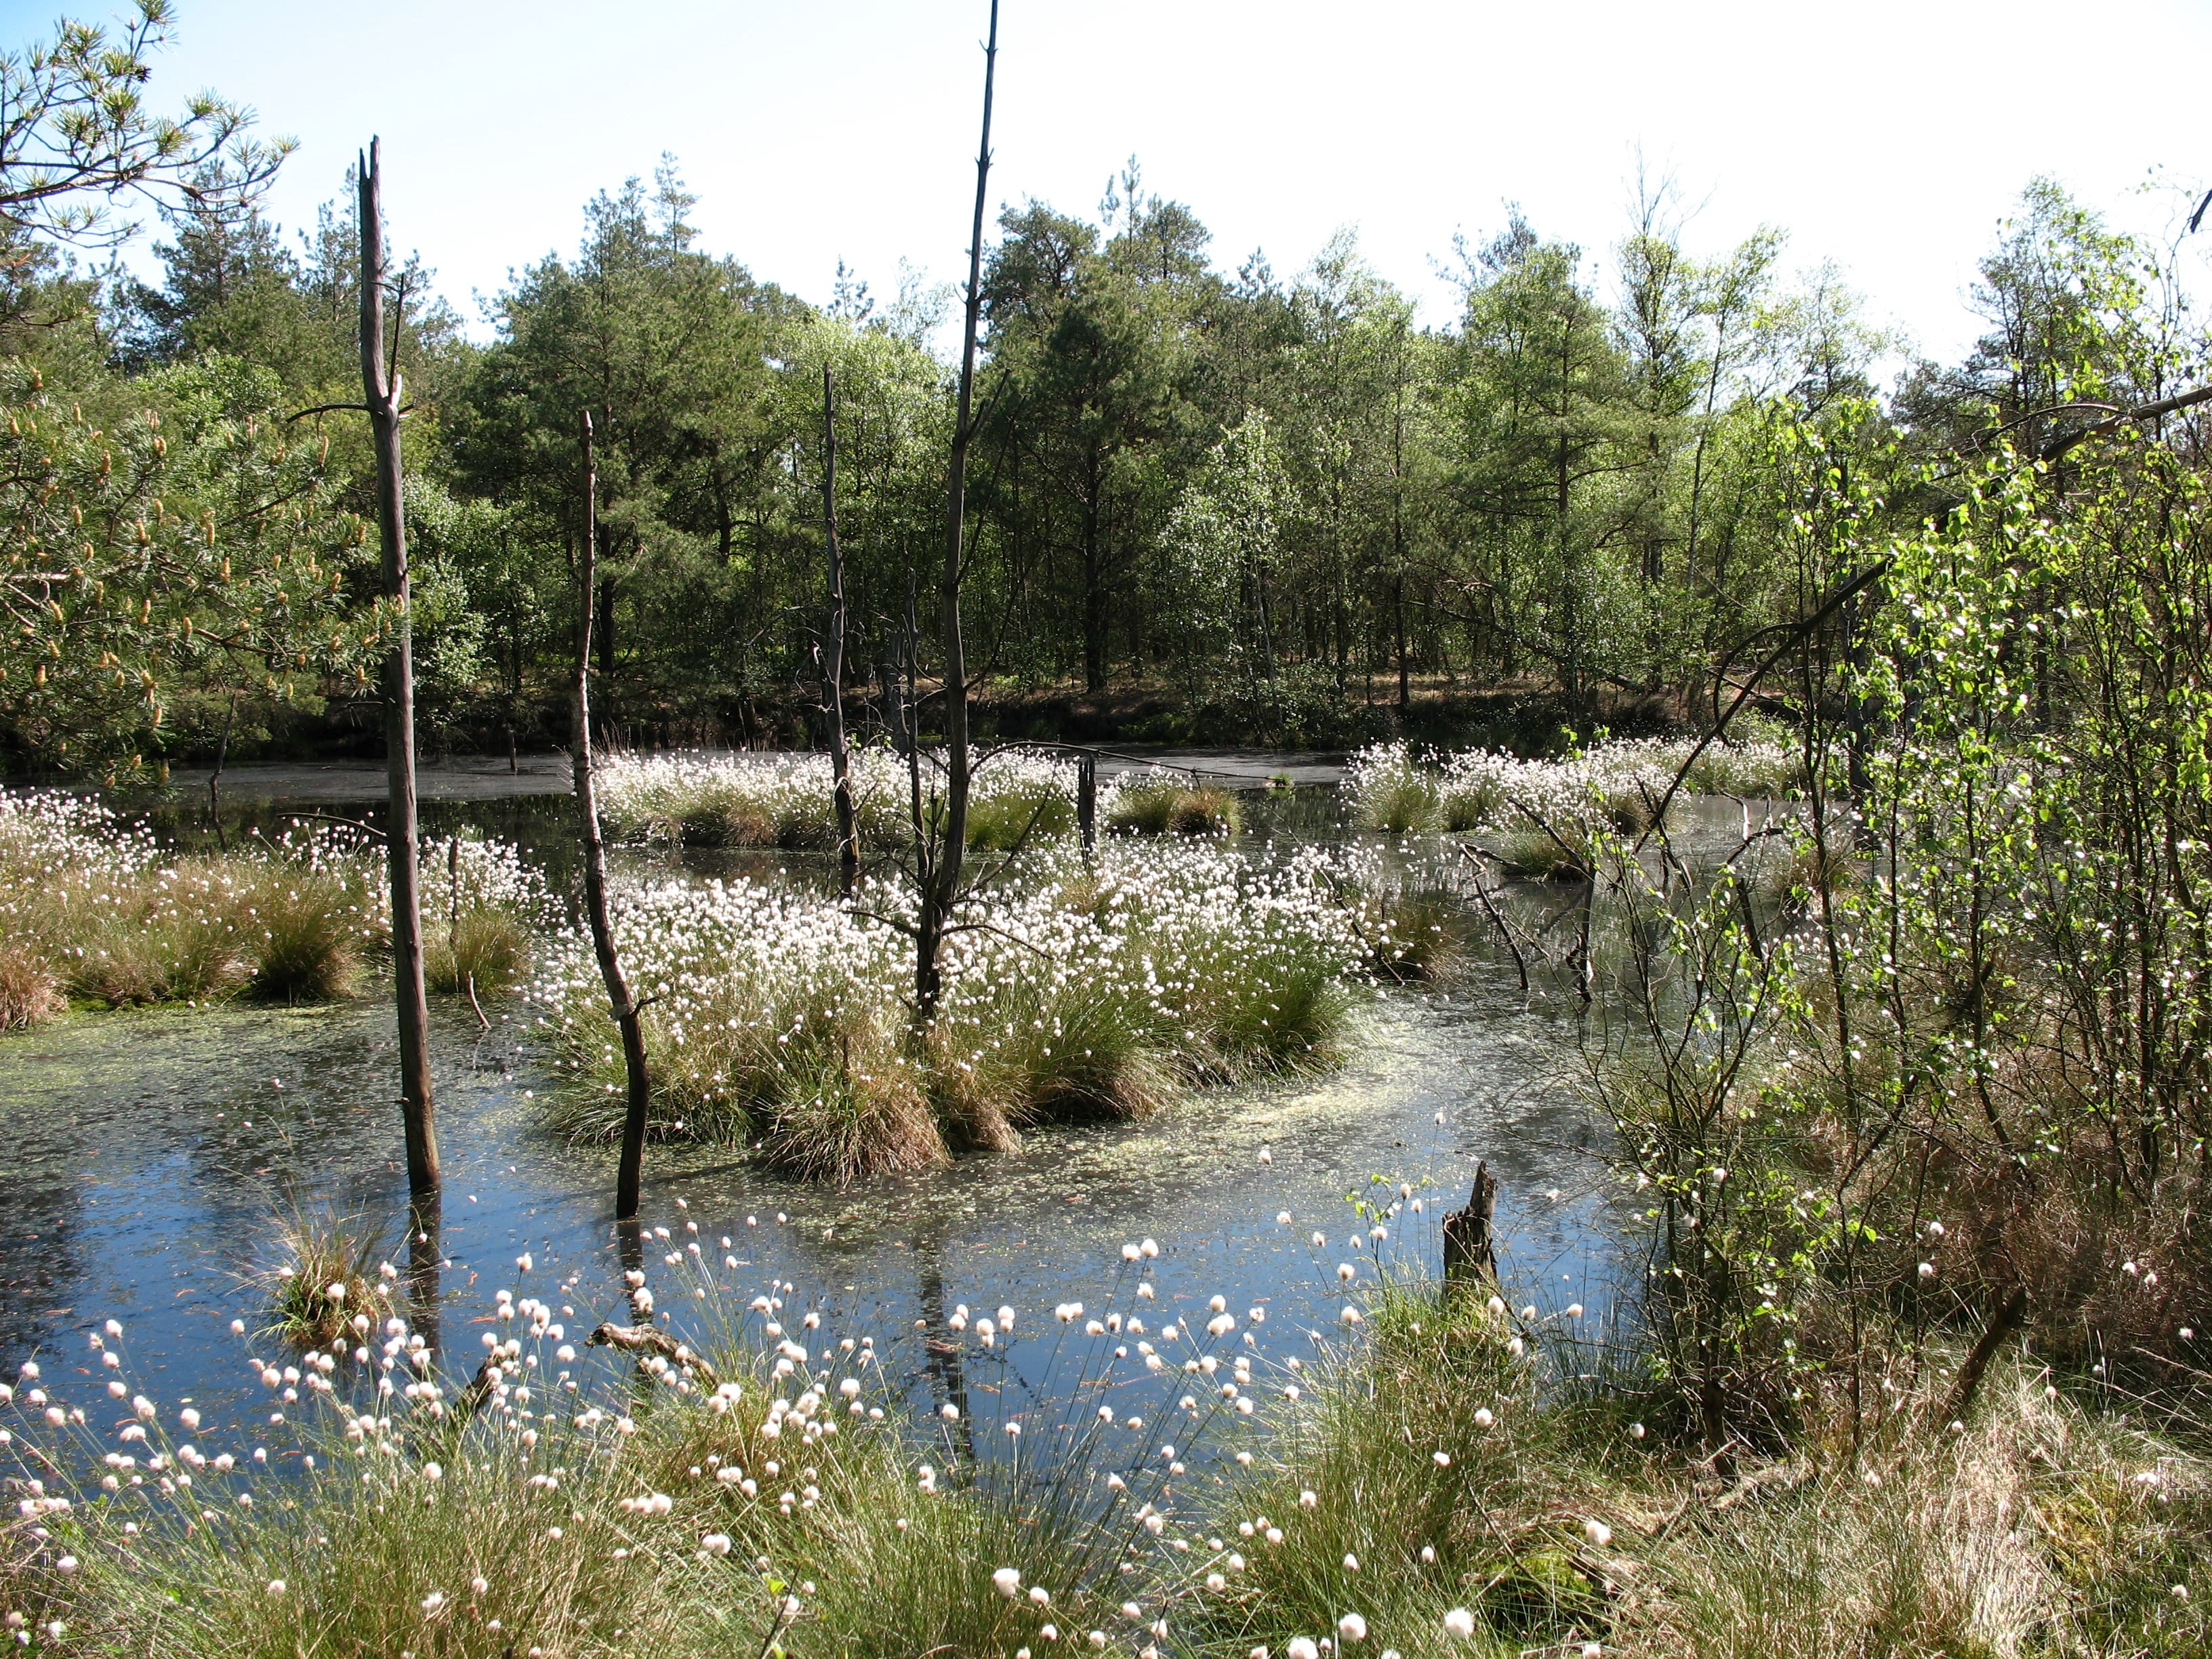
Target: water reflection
<point x="151" y="1154"/>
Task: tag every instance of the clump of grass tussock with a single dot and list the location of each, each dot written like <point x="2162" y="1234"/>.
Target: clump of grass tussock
<point x="1564" y="855"/>
<point x="119" y="922"/>
<point x="482" y="909"/>
<point x="777" y="1022"/>
<point x="1154" y="802"/>
<point x="485" y="950"/>
<point x="327" y="1274"/>
<point x="1391" y="788"/>
<point x="2039" y="1528"/>
<point x="1418" y="932"/>
<point x="713" y="1504"/>
<point x="29" y="993"/>
<point x="1495" y="1525"/>
<point x="780" y="1019"/>
<point x="784" y="800"/>
<point x="306" y="928"/>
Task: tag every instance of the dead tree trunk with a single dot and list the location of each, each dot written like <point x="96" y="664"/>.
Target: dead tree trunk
<point x="833" y="656"/>
<point x="380" y="392"/>
<point x="629" y="1176"/>
<point x="2002" y="1323"/>
<point x="1086" y="800"/>
<point x="1470" y="1252"/>
<point x="940" y="887"/>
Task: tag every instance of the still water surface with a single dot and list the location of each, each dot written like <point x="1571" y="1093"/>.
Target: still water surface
<point x="149" y="1157"/>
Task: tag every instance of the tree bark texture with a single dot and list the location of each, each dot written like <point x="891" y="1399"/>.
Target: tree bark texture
<point x="630" y="1176"/>
<point x="380" y="392"/>
<point x="833" y="652"/>
<point x="940" y="885"/>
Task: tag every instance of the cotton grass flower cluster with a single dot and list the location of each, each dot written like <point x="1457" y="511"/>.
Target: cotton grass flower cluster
<point x="757" y="1482"/>
<point x="778" y="799"/>
<point x="92" y="906"/>
<point x="778" y="1017"/>
<point x="756" y="1474"/>
<point x="1391" y="786"/>
<point x="95" y="906"/>
<point x="1158" y="801"/>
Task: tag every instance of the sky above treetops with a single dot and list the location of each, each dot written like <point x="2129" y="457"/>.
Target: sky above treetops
<point x="1889" y="136"/>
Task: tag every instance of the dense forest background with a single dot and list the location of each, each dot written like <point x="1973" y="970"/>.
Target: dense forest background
<point x="1208" y="503"/>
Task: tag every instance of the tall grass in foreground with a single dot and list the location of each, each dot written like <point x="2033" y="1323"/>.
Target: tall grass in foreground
<point x="1088" y="989"/>
<point x="96" y="908"/>
<point x="1446" y="1476"/>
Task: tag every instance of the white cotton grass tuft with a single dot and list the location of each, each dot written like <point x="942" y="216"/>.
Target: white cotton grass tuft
<point x="1007" y="1581"/>
<point x="1351" y="1627"/>
<point x="1460" y="1623"/>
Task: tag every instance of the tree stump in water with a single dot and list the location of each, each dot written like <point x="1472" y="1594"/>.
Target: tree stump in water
<point x="1469" y="1255"/>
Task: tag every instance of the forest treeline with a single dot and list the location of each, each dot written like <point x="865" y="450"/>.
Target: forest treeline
<point x="1227" y="503"/>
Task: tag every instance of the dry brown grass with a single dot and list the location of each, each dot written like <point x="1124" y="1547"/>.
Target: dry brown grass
<point x="30" y="994"/>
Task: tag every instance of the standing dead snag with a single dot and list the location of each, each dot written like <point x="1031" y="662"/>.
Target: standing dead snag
<point x="1470" y="1251"/>
<point x="940" y="874"/>
<point x="630" y="1174"/>
<point x="381" y="390"/>
<point x="833" y="656"/>
<point x="2002" y="1323"/>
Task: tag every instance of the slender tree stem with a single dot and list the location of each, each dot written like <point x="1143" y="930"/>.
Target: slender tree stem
<point x="941" y="888"/>
<point x="833" y="654"/>
<point x="629" y="1176"/>
<point x="381" y="391"/>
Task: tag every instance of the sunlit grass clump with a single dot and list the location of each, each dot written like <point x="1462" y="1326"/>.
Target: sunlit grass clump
<point x="746" y="1492"/>
<point x="782" y="1020"/>
<point x="482" y="909"/>
<point x="784" y="800"/>
<point x="30" y="994"/>
<point x="117" y="921"/>
<point x="96" y="909"/>
<point x="326" y="1275"/>
<point x="1617" y="785"/>
<point x="1157" y="802"/>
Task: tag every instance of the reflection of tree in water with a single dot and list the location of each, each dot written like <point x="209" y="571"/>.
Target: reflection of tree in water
<point x="42" y="1267"/>
<point x="942" y="1365"/>
<point x="629" y="1247"/>
<point x="424" y="1216"/>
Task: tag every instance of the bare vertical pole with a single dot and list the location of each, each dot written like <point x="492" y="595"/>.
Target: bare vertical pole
<point x="1086" y="799"/>
<point x="942" y="886"/>
<point x="832" y="663"/>
<point x="380" y="390"/>
<point x="629" y="1176"/>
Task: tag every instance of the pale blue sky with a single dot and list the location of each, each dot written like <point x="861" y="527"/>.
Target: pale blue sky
<point x="1889" y="136"/>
